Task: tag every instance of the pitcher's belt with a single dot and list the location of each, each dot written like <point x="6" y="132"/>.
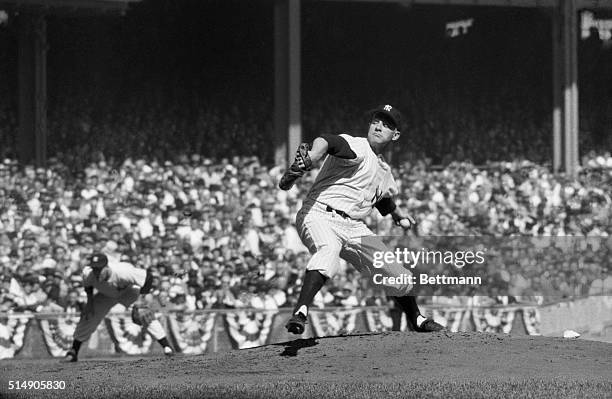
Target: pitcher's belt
<point x="324" y="207"/>
<point x="338" y="212"/>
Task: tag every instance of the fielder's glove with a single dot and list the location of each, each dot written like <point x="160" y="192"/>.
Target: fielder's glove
<point x="142" y="315"/>
<point x="300" y="165"/>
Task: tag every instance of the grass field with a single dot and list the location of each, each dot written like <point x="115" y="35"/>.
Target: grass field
<point x="385" y="365"/>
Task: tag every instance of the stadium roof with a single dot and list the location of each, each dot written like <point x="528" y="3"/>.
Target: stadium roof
<point x="68" y="6"/>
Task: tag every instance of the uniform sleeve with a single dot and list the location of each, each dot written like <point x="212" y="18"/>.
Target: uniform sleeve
<point x="385" y="206"/>
<point x="338" y="146"/>
<point x="357" y="146"/>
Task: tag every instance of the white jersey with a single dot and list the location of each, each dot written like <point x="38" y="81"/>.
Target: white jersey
<point x="122" y="275"/>
<point x="353" y="185"/>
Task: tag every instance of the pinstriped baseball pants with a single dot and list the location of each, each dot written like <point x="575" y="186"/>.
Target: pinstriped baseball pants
<point x="329" y="237"/>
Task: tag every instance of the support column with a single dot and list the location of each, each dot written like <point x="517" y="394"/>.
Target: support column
<point x="32" y="140"/>
<point x="287" y="80"/>
<point x="565" y="87"/>
<point x="557" y="83"/>
<point x="570" y="90"/>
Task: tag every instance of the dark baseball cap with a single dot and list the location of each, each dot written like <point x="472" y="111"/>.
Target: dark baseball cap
<point x="98" y="260"/>
<point x="391" y="113"/>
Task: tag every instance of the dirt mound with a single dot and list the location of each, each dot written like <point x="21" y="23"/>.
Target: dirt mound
<point x="454" y="363"/>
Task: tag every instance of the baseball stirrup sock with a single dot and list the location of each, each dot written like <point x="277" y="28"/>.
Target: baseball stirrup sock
<point x="420" y="319"/>
<point x="164" y="342"/>
<point x="76" y="345"/>
<point x="313" y="281"/>
<point x="409" y="306"/>
<point x="156" y="330"/>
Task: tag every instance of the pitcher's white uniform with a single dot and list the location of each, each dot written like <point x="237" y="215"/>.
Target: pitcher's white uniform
<point x="122" y="285"/>
<point x="331" y="224"/>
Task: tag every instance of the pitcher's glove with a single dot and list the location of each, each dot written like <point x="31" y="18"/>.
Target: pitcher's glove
<point x="142" y="315"/>
<point x="300" y="165"/>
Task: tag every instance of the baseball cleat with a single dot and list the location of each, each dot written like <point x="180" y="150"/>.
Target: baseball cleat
<point x="296" y="324"/>
<point x="429" y="326"/>
<point x="168" y="351"/>
<point x="70" y="357"/>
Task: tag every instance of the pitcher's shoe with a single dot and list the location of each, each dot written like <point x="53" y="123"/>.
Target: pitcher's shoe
<point x="70" y="357"/>
<point x="296" y="323"/>
<point x="429" y="326"/>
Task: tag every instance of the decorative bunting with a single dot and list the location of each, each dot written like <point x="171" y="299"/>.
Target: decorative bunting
<point x="334" y="323"/>
<point x="12" y="333"/>
<point x="129" y="337"/>
<point x="531" y="319"/>
<point x="249" y="329"/>
<point x="191" y="331"/>
<point x="450" y="319"/>
<point x="493" y="320"/>
<point x="58" y="332"/>
<point x="379" y="320"/>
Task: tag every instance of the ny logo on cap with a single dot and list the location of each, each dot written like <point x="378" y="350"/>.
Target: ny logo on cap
<point x="387" y="108"/>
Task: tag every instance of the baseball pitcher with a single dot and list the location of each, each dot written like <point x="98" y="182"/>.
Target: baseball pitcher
<point x="115" y="282"/>
<point x="352" y="181"/>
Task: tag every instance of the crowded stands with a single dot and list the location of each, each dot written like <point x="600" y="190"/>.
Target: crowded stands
<point x="219" y="234"/>
<point x="169" y="165"/>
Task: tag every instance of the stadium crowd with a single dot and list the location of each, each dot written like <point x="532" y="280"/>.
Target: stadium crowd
<point x="214" y="226"/>
<point x="219" y="234"/>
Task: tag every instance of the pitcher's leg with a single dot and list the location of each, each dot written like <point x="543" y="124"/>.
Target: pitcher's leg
<point x="154" y="327"/>
<point x="317" y="233"/>
<point x="156" y="330"/>
<point x="368" y="255"/>
<point x="88" y="323"/>
<point x="323" y="242"/>
<point x="416" y="320"/>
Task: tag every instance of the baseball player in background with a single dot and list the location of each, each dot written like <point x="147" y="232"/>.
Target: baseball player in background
<point x="352" y="181"/>
<point x="115" y="282"/>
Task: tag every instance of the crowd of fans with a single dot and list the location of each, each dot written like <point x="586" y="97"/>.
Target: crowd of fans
<point x="219" y="234"/>
<point x="213" y="225"/>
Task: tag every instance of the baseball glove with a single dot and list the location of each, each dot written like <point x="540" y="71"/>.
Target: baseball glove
<point x="142" y="315"/>
<point x="301" y="164"/>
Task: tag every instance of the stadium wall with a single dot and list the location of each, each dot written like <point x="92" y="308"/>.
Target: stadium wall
<point x="50" y="335"/>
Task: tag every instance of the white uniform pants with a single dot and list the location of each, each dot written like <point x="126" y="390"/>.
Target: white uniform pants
<point x="329" y="237"/>
<point x="102" y="304"/>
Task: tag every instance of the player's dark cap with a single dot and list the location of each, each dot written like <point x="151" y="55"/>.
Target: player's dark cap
<point x="391" y="113"/>
<point x="98" y="260"/>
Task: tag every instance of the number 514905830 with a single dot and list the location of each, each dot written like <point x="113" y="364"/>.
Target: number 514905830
<point x="36" y="385"/>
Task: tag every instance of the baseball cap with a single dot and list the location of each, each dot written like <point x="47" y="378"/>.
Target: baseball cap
<point x="98" y="260"/>
<point x="392" y="113"/>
